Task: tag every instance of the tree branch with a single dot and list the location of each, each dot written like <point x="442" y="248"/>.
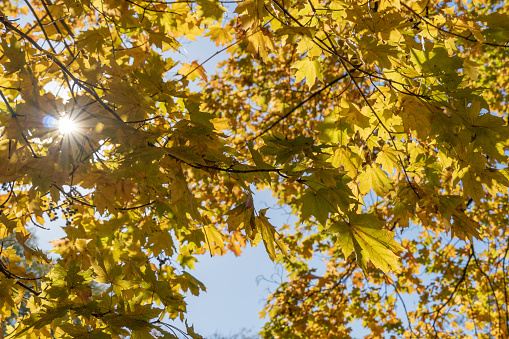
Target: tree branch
<point x="61" y="66"/>
<point x="314" y="94"/>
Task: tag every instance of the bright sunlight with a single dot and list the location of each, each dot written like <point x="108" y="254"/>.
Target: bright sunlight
<point x="66" y="125"/>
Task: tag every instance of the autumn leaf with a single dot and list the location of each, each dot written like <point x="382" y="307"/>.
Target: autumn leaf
<point x="309" y="69"/>
<point x="364" y="235"/>
<point x="471" y="69"/>
<point x="221" y="35"/>
<point x="214" y="240"/>
<point x="267" y="231"/>
<point x="12" y="50"/>
<point x="210" y="10"/>
<point x="260" y="44"/>
<point x="374" y="178"/>
<point x="251" y="12"/>
<point x="316" y="204"/>
<point x="389" y="159"/>
<point x="192" y="71"/>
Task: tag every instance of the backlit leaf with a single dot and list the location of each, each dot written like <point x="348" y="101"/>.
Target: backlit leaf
<point x="364" y="235"/>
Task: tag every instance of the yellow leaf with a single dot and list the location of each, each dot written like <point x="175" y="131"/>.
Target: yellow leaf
<point x="268" y="233"/>
<point x="39" y="219"/>
<point x="192" y="71"/>
<point x="469" y="326"/>
<point x="210" y="10"/>
<point x="308" y="69"/>
<point x="373" y="178"/>
<point x="214" y="240"/>
<point x="239" y="217"/>
<point x="220" y="123"/>
<point x="260" y="44"/>
<point x="250" y="13"/>
<point x="388" y="158"/>
<point x="221" y="35"/>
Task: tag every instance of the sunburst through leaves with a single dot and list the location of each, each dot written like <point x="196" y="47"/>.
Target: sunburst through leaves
<point x="67" y="125"/>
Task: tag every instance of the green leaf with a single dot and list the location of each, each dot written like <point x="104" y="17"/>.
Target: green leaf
<point x="211" y="10"/>
<point x="364" y="234"/>
<point x="315" y="203"/>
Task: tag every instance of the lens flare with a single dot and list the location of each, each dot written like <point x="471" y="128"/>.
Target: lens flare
<point x="66" y="125"/>
<point x="50" y="121"/>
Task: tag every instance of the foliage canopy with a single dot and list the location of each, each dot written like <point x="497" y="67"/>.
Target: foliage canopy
<point x="383" y="124"/>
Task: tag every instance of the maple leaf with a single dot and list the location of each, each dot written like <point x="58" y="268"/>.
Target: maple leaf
<point x="221" y="35"/>
<point x="260" y="44"/>
<point x="214" y="240"/>
<point x="240" y="217"/>
<point x="210" y="10"/>
<point x="315" y="203"/>
<point x="364" y="235"/>
<point x="374" y="178"/>
<point x="270" y="236"/>
<point x="14" y="53"/>
<point x="389" y="159"/>
<point x="471" y="69"/>
<point x="250" y="13"/>
<point x="192" y="71"/>
<point x="309" y="69"/>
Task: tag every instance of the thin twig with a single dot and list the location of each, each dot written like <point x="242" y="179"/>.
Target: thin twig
<point x="314" y="94"/>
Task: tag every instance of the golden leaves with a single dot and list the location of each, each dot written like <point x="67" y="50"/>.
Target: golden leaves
<point x="12" y="50"/>
<point x="155" y="171"/>
<point x="251" y="13"/>
<point x="210" y="10"/>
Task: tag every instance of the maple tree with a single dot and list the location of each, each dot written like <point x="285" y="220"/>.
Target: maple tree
<point x="382" y="124"/>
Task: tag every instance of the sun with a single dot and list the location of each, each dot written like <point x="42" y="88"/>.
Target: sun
<point x="66" y="125"/>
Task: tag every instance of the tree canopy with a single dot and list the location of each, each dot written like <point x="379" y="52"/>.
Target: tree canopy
<point x="382" y="124"/>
